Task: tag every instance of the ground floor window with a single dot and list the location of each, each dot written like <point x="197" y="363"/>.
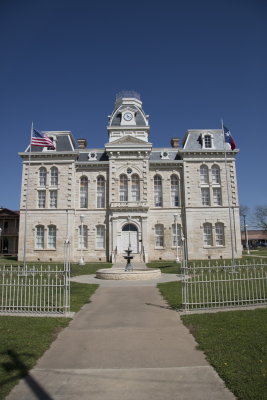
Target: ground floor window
<point x="100" y="237"/>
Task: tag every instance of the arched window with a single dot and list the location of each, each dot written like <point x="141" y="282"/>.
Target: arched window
<point x="135" y="187"/>
<point x="219" y="234"/>
<point x="54" y="176"/>
<point x="84" y="192"/>
<point x="42" y="176"/>
<point x="159" y="235"/>
<point x="100" y="237"/>
<point x="174" y="191"/>
<point x="100" y="192"/>
<point x="123" y="188"/>
<point x="39" y="239"/>
<point x="179" y="235"/>
<point x="83" y="237"/>
<point x="157" y="191"/>
<point x="204" y="174"/>
<point x="52" y="237"/>
<point x="207" y="234"/>
<point x="215" y="174"/>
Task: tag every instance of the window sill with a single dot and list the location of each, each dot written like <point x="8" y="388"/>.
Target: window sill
<point x="45" y="249"/>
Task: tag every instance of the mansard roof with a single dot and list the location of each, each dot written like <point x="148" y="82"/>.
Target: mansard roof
<point x="193" y="140"/>
<point x="64" y="141"/>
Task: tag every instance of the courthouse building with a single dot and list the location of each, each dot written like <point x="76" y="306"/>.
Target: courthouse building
<point x="158" y="200"/>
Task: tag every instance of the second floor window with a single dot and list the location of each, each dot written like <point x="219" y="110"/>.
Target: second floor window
<point x="205" y="196"/>
<point x="41" y="198"/>
<point x="157" y="191"/>
<point x="123" y="188"/>
<point x="54" y="176"/>
<point x="217" y="196"/>
<point x="42" y="176"/>
<point x="215" y="174"/>
<point x="100" y="192"/>
<point x="174" y="191"/>
<point x="204" y="174"/>
<point x="135" y="187"/>
<point x="83" y="192"/>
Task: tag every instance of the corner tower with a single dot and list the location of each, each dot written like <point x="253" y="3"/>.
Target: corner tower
<point x="128" y="118"/>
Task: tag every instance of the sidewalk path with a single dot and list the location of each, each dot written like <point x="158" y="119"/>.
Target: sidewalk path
<point x="125" y="345"/>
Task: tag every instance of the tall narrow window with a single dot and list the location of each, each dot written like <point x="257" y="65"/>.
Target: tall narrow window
<point x="100" y="192"/>
<point x="159" y="235"/>
<point x="54" y="176"/>
<point x="179" y="236"/>
<point x="84" y="192"/>
<point x="42" y="176"/>
<point x="123" y="188"/>
<point x="53" y="198"/>
<point x="157" y="191"/>
<point x="52" y="237"/>
<point x="135" y="187"/>
<point x="204" y="174"/>
<point x="39" y="239"/>
<point x="41" y="198"/>
<point x="219" y="234"/>
<point x="174" y="191"/>
<point x="205" y="196"/>
<point x="207" y="142"/>
<point x="207" y="234"/>
<point x="217" y="196"/>
<point x="100" y="237"/>
<point x="215" y="174"/>
<point x="83" y="237"/>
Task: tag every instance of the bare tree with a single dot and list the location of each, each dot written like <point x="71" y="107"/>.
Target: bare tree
<point x="243" y="212"/>
<point x="260" y="216"/>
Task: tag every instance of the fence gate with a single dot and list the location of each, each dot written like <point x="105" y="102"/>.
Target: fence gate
<point x="220" y="285"/>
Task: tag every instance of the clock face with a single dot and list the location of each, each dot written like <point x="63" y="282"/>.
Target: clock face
<point x="128" y="116"/>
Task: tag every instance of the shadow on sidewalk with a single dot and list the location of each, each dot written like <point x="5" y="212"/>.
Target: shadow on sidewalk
<point x="15" y="365"/>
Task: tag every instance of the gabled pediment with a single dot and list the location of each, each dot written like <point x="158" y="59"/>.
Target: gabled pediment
<point x="128" y="140"/>
<point x="5" y="212"/>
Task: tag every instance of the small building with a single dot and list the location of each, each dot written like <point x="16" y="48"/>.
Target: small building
<point x="256" y="238"/>
<point x="9" y="232"/>
<point x="166" y="202"/>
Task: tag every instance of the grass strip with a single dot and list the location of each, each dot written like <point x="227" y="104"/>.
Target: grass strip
<point x="166" y="267"/>
<point x="23" y="340"/>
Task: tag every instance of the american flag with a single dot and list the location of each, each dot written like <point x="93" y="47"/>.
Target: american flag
<point x="40" y="139"/>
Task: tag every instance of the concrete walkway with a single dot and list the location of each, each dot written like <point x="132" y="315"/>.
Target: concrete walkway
<point x="125" y="345"/>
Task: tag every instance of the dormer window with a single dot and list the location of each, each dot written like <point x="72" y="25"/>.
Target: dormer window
<point x="207" y="142"/>
<point x="54" y="140"/>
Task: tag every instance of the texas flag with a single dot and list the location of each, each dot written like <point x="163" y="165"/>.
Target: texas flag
<point x="228" y="137"/>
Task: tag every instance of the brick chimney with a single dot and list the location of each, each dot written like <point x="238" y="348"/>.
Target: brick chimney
<point x="175" y="142"/>
<point x="82" y="143"/>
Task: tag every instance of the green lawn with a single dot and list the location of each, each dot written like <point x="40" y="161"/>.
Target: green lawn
<point x="234" y="343"/>
<point x="166" y="267"/>
<point x="87" y="269"/>
<point x="24" y="339"/>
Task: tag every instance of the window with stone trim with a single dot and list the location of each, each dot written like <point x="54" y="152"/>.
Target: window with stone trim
<point x="215" y="174"/>
<point x="179" y="235"/>
<point x="39" y="238"/>
<point x="84" y="192"/>
<point x="219" y="234"/>
<point x="53" y="198"/>
<point x="41" y="198"/>
<point x="175" y="201"/>
<point x="204" y="174"/>
<point x="42" y="177"/>
<point x="83" y="237"/>
<point x="205" y="196"/>
<point x="217" y="196"/>
<point x="52" y="237"/>
<point x="123" y="187"/>
<point x="100" y="236"/>
<point x="54" y="176"/>
<point x="207" y="234"/>
<point x="158" y="191"/>
<point x="207" y="141"/>
<point x="100" y="192"/>
<point x="159" y="235"/>
<point x="135" y="181"/>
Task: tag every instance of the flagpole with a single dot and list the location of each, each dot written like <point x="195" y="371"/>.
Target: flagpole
<point x="228" y="196"/>
<point x="26" y="205"/>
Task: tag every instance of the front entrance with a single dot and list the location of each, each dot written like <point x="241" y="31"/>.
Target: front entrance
<point x="129" y="236"/>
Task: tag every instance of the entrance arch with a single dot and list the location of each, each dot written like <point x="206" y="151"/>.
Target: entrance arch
<point x="129" y="235"/>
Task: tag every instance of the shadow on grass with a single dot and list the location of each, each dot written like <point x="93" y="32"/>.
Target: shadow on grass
<point x="15" y="365"/>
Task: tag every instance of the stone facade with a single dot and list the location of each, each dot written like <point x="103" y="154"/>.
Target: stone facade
<point x="102" y="200"/>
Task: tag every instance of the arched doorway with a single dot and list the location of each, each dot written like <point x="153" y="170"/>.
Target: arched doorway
<point x="129" y="236"/>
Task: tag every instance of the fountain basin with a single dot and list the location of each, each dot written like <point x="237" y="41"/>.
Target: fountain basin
<point x="120" y="274"/>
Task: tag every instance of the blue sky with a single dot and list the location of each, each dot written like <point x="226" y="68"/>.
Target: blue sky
<point x="193" y="62"/>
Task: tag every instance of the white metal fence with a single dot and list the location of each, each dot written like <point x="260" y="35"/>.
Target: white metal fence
<point x="36" y="289"/>
<point x="219" y="286"/>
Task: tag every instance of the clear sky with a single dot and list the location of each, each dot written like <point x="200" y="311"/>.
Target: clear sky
<point x="193" y="62"/>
